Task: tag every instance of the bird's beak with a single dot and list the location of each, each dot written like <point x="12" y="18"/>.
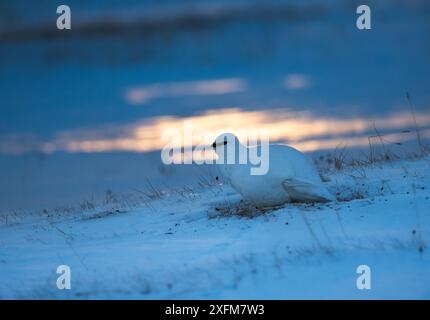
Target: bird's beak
<point x="218" y="144"/>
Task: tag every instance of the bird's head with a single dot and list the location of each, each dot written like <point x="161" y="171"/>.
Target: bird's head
<point x="223" y="142"/>
<point x="228" y="148"/>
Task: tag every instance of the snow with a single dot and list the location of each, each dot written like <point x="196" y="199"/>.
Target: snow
<point x="131" y="227"/>
<point x="184" y="243"/>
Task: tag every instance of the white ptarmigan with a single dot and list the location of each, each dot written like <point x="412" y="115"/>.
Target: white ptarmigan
<point x="291" y="176"/>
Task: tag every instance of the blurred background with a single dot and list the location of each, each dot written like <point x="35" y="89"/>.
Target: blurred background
<point x="83" y="110"/>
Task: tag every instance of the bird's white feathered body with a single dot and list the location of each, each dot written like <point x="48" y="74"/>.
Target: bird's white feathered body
<point x="291" y="178"/>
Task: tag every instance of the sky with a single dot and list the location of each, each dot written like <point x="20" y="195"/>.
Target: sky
<point x="103" y="93"/>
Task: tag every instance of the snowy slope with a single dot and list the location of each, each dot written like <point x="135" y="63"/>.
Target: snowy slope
<point x="205" y="243"/>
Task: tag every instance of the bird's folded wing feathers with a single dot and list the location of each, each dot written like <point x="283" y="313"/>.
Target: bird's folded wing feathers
<point x="294" y="183"/>
<point x="304" y="190"/>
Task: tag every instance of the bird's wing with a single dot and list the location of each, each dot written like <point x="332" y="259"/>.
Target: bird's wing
<point x="306" y="191"/>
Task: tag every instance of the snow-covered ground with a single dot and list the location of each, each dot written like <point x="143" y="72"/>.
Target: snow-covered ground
<point x="204" y="243"/>
<point x="82" y="116"/>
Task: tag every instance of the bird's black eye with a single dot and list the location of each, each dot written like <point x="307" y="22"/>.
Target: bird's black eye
<point x="225" y="142"/>
<point x="214" y="145"/>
